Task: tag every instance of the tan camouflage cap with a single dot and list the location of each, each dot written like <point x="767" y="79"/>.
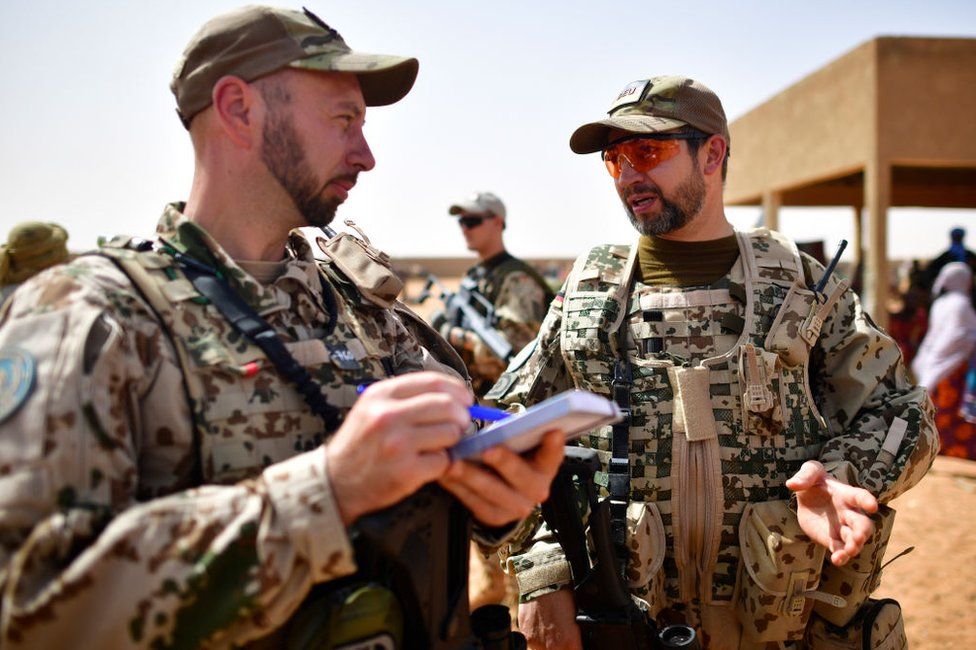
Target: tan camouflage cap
<point x="254" y="41"/>
<point x="31" y="247"/>
<point x="479" y="203"/>
<point x="652" y="106"/>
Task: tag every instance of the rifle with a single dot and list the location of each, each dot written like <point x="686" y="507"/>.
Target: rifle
<point x="606" y="614"/>
<point x="461" y="312"/>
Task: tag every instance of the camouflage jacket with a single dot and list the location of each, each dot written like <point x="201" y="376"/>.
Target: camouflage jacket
<point x="141" y="507"/>
<point x="520" y="297"/>
<point x="735" y="385"/>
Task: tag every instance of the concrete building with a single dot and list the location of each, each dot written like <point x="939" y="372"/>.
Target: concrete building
<point x="890" y="123"/>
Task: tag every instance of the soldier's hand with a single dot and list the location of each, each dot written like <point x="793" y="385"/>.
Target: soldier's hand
<point x="550" y="622"/>
<point x="395" y="439"/>
<point x="509" y="486"/>
<point x="832" y="513"/>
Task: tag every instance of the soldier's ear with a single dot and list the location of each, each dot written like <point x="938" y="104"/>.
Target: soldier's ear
<point x="233" y="102"/>
<point x="715" y="148"/>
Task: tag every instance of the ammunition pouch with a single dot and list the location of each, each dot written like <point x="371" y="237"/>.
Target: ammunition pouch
<point x="367" y="267"/>
<point x="779" y="574"/>
<point x="646" y="546"/>
<point x="856" y="580"/>
<point x="877" y="625"/>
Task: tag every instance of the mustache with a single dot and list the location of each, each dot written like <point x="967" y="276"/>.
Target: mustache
<point x="642" y="188"/>
<point x="351" y="177"/>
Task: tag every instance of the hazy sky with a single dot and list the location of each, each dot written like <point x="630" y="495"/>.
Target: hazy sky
<point x="89" y="138"/>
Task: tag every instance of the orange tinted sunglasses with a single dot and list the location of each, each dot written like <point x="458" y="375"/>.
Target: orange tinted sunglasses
<point x="644" y="152"/>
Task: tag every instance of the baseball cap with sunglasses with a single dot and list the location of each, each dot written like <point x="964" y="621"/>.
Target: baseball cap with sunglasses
<point x="473" y="220"/>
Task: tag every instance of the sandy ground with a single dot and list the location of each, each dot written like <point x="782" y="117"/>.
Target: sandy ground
<point x="936" y="584"/>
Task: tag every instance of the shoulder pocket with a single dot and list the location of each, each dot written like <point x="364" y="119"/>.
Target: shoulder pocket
<point x="787" y="334"/>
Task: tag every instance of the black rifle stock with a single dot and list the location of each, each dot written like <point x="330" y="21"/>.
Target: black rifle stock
<point x="461" y="312"/>
<point x="608" y="617"/>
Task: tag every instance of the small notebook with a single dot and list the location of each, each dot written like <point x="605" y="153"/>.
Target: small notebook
<point x="573" y="412"/>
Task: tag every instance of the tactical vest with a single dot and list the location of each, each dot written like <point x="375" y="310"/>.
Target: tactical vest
<point x="247" y="417"/>
<point x="721" y="412"/>
<point x="495" y="277"/>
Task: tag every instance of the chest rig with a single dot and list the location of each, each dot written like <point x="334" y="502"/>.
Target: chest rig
<point x="245" y="413"/>
<point x="715" y="383"/>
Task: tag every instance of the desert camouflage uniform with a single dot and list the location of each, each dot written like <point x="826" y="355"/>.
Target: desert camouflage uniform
<point x="755" y="376"/>
<point x="122" y="525"/>
<point x="520" y="298"/>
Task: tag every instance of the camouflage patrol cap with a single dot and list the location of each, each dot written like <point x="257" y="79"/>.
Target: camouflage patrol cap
<point x="652" y="106"/>
<point x="479" y="203"/>
<point x="254" y="41"/>
<point x="31" y="247"/>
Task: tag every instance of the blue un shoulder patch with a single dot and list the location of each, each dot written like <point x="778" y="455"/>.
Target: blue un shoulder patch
<point x="16" y="379"/>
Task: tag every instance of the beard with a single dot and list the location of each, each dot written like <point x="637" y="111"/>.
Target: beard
<point x="676" y="212"/>
<point x="284" y="156"/>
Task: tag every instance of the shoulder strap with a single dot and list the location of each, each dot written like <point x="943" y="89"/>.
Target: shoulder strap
<point x="511" y="265"/>
<point x="149" y="290"/>
<point x="770" y="256"/>
<point x="430" y="339"/>
<point x="249" y="323"/>
<point x="589" y="267"/>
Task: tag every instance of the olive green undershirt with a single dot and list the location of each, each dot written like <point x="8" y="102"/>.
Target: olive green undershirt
<point x="264" y="272"/>
<point x="665" y="262"/>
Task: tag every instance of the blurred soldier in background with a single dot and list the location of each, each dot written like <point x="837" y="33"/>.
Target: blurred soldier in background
<point x="517" y="292"/>
<point x="31" y="247"/>
<point x="519" y="297"/>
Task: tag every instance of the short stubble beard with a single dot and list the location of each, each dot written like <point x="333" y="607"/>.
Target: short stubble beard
<point x="689" y="199"/>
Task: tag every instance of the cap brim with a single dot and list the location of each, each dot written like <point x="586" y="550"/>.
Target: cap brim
<point x="595" y="136"/>
<point x="463" y="208"/>
<point x="384" y="79"/>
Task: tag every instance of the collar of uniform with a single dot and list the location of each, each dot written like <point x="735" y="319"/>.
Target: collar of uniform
<point x="187" y="237"/>
<point x="304" y="268"/>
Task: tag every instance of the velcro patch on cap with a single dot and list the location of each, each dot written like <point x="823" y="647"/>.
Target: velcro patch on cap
<point x="632" y="94"/>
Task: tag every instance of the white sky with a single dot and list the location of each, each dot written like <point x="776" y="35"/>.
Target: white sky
<point x="89" y="138"/>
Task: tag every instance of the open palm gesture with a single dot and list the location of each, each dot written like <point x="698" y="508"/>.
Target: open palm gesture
<point x="831" y="513"/>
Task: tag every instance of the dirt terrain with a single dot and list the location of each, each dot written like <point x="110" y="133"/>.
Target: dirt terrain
<point x="936" y="584"/>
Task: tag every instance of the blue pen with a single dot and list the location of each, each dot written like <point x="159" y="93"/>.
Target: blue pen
<point x="487" y="413"/>
<point x="477" y="412"/>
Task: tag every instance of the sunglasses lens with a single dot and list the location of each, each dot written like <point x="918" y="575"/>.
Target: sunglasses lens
<point x="642" y="155"/>
<point x="470" y="222"/>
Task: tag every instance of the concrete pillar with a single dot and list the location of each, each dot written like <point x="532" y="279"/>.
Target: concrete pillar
<point x="771" y="203"/>
<point x="877" y="198"/>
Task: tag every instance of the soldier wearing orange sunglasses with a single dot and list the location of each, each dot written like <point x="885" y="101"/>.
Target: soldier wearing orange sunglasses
<point x="769" y="419"/>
